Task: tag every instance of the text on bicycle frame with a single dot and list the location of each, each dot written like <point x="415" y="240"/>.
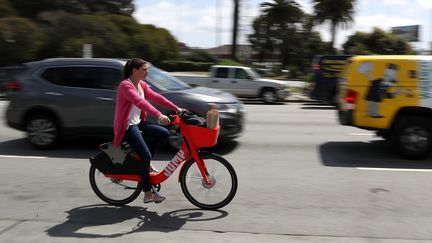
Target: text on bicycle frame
<point x="174" y="163"/>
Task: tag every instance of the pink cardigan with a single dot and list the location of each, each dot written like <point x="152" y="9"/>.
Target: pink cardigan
<point x="126" y="96"/>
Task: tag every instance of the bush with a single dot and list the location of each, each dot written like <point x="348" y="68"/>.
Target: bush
<point x="199" y="56"/>
<point x="230" y="62"/>
<point x="20" y="40"/>
<point x="174" y="65"/>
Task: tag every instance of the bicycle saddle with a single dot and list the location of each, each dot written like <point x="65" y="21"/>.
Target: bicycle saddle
<point x="116" y="154"/>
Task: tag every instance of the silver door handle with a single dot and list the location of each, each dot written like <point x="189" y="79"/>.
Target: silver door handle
<point x="104" y="98"/>
<point x="53" y="93"/>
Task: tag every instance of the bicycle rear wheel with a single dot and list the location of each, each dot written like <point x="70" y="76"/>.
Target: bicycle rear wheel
<point x="113" y="191"/>
<point x="220" y="173"/>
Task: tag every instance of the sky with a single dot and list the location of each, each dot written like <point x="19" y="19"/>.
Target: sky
<point x="208" y="23"/>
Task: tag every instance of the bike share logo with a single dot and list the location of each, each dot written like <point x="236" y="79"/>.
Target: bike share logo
<point x="174" y="163"/>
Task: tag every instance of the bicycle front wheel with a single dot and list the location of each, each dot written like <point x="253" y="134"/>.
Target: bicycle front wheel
<point x="220" y="173"/>
<point x="113" y="191"/>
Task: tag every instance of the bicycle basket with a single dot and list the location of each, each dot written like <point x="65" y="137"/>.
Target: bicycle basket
<point x="202" y="136"/>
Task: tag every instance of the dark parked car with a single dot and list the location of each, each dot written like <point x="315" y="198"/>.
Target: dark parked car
<point x="76" y="96"/>
<point x="326" y="71"/>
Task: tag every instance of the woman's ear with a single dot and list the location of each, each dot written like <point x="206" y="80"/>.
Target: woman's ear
<point x="133" y="71"/>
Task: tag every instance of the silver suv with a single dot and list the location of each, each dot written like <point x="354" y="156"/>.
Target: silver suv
<point x="58" y="97"/>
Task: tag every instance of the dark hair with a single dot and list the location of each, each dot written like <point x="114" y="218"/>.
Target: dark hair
<point x="132" y="64"/>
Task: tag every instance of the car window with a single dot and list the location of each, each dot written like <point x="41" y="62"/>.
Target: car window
<point x="252" y="73"/>
<point x="240" y="74"/>
<point x="84" y="77"/>
<point x="221" y="73"/>
<point x="161" y="80"/>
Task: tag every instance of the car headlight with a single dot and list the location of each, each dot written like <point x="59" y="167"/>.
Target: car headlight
<point x="227" y="107"/>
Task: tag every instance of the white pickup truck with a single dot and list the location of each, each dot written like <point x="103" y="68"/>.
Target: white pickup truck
<point x="243" y="82"/>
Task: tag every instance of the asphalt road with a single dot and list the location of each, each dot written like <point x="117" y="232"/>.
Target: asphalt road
<point x="302" y="178"/>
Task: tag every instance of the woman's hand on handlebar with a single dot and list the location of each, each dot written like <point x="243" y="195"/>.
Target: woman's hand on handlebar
<point x="163" y="120"/>
<point x="181" y="111"/>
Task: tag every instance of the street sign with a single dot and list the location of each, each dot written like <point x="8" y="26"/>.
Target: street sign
<point x="410" y="32"/>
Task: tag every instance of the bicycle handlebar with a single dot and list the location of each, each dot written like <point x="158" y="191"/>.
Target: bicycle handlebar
<point x="182" y="115"/>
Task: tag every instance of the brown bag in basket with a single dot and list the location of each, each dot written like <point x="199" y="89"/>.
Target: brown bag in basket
<point x="212" y="118"/>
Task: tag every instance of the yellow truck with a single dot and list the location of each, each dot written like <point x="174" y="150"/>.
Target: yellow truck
<point x="393" y="96"/>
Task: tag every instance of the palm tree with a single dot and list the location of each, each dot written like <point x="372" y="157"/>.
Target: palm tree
<point x="235" y="30"/>
<point x="282" y="18"/>
<point x="282" y="12"/>
<point x="337" y="12"/>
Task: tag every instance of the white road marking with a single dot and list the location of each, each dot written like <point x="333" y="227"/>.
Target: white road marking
<point x="394" y="169"/>
<point x="23" y="157"/>
<point x="361" y="134"/>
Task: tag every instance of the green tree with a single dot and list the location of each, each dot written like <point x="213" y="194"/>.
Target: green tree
<point x="20" y="40"/>
<point x="167" y="44"/>
<point x="161" y="45"/>
<point x="64" y="26"/>
<point x="310" y="44"/>
<point x="282" y="18"/>
<point x="260" y="38"/>
<point x="335" y="12"/>
<point x="376" y="42"/>
<point x="198" y="56"/>
<point x="31" y="8"/>
<point x="282" y="14"/>
<point x="68" y="32"/>
<point x="124" y="7"/>
<point x="6" y="9"/>
<point x="143" y="46"/>
<point x="284" y="32"/>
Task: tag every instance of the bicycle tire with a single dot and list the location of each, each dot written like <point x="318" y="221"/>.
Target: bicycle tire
<point x="213" y="162"/>
<point x="105" y="196"/>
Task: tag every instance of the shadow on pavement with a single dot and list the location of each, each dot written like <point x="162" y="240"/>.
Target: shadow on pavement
<point x="81" y="148"/>
<point x="376" y="154"/>
<point x="81" y="221"/>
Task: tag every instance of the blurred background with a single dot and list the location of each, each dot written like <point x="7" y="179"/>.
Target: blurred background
<point x="278" y="37"/>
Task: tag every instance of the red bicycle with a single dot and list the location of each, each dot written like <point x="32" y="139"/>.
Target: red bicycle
<point x="207" y="180"/>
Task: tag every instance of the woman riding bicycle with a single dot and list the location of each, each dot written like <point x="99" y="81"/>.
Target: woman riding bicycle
<point x="130" y="123"/>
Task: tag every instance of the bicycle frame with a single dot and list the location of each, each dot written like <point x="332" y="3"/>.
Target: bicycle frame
<point x="187" y="151"/>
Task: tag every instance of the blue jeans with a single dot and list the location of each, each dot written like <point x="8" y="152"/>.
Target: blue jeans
<point x="145" y="138"/>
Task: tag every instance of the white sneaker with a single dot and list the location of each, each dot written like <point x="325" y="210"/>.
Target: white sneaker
<point x="156" y="198"/>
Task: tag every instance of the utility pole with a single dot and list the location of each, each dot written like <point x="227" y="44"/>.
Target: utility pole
<point x="235" y="30"/>
<point x="218" y="23"/>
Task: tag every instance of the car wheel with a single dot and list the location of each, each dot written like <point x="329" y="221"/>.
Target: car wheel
<point x="413" y="138"/>
<point x="268" y="96"/>
<point x="175" y="139"/>
<point x="42" y="131"/>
